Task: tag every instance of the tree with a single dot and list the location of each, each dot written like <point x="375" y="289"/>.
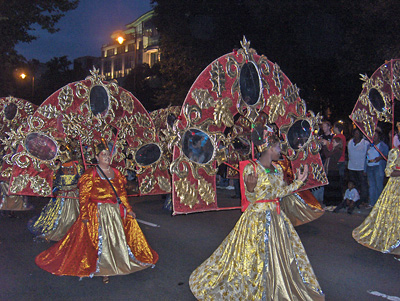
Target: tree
<point x="144" y="83"/>
<point x="17" y="20"/>
<point x="57" y="75"/>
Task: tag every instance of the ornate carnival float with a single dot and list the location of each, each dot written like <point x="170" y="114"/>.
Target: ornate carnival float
<point x="228" y="98"/>
<point x="88" y="111"/>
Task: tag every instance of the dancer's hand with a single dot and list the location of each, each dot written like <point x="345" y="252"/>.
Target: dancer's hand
<point x="302" y="176"/>
<point x="251" y="181"/>
<point x="133" y="214"/>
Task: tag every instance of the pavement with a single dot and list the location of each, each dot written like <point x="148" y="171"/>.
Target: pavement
<point x="345" y="269"/>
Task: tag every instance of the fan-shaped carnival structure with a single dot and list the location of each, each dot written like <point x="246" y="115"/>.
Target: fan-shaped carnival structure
<point x="378" y="98"/>
<point x="233" y="93"/>
<point x="88" y="111"/>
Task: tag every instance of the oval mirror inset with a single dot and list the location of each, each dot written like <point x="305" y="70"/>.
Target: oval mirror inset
<point x="41" y="146"/>
<point x="10" y="111"/>
<point x="376" y="100"/>
<point x="99" y="101"/>
<point x="148" y="154"/>
<point x="298" y="134"/>
<point x="249" y="83"/>
<point x="197" y="146"/>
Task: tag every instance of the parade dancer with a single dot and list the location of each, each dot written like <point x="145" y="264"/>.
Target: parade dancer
<point x="380" y="231"/>
<point x="62" y="210"/>
<point x="106" y="239"/>
<point x="262" y="258"/>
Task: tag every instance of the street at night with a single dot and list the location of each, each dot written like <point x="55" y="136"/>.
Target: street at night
<point x="345" y="269"/>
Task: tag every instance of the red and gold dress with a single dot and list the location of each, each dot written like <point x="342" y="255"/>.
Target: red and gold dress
<point x="262" y="258"/>
<point x="111" y="243"/>
<point x="380" y="231"/>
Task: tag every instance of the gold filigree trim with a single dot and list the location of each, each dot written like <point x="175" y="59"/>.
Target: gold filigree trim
<point x="362" y="117"/>
<point x="19" y="183"/>
<point x="164" y="184"/>
<point x="48" y="111"/>
<point x="278" y="77"/>
<point x="6" y="173"/>
<point x="318" y="173"/>
<point x="206" y="191"/>
<point x="277" y="107"/>
<point x="222" y="113"/>
<point x="65" y="98"/>
<point x="127" y="102"/>
<point x="217" y="78"/>
<point x="40" y="186"/>
<point x="147" y="184"/>
<point x="186" y="193"/>
<point x="291" y="94"/>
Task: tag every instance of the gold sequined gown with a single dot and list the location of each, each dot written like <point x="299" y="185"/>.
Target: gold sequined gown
<point x="62" y="211"/>
<point x="262" y="258"/>
<point x="111" y="243"/>
<point x="380" y="231"/>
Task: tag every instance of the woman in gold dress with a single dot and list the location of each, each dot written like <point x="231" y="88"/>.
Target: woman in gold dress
<point x="106" y="239"/>
<point x="380" y="231"/>
<point x="262" y="258"/>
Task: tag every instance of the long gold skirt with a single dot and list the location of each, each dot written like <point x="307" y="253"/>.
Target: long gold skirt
<point x="13" y="202"/>
<point x="301" y="208"/>
<point x="57" y="216"/>
<point x="262" y="258"/>
<point x="107" y="245"/>
<point x="380" y="231"/>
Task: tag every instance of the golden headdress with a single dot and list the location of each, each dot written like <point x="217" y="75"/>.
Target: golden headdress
<point x="101" y="146"/>
<point x="263" y="137"/>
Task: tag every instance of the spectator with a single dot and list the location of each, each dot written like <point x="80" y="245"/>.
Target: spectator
<point x="357" y="150"/>
<point x="351" y="199"/>
<point x="375" y="166"/>
<point x="338" y="132"/>
<point x="332" y="192"/>
<point x="327" y="136"/>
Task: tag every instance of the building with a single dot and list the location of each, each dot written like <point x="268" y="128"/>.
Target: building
<point x="137" y="44"/>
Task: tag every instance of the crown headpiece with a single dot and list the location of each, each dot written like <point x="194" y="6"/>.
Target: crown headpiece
<point x="263" y="137"/>
<point x="101" y="146"/>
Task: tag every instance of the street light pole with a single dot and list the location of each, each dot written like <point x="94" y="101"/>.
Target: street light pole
<point x="33" y="86"/>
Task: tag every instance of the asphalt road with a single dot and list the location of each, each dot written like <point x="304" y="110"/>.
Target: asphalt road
<point x="345" y="269"/>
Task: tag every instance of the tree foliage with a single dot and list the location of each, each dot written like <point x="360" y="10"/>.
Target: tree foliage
<point x="322" y="46"/>
<point x="18" y="19"/>
<point x="144" y="83"/>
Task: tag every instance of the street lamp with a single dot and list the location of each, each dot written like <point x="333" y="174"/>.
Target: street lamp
<point x="120" y="39"/>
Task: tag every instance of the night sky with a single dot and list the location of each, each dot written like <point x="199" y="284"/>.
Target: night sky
<point x="84" y="30"/>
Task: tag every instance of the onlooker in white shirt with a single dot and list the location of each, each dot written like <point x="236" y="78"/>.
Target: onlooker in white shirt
<point x="357" y="151"/>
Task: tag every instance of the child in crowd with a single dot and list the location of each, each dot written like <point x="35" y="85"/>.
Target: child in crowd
<point x="351" y="199"/>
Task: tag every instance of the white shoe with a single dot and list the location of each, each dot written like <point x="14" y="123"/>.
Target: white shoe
<point x="230" y="187"/>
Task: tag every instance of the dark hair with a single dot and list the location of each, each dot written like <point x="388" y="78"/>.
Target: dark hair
<point x="99" y="148"/>
<point x="356" y="129"/>
<point x="339" y="126"/>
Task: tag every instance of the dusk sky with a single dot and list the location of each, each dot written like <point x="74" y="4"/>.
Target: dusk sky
<point x="84" y="30"/>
